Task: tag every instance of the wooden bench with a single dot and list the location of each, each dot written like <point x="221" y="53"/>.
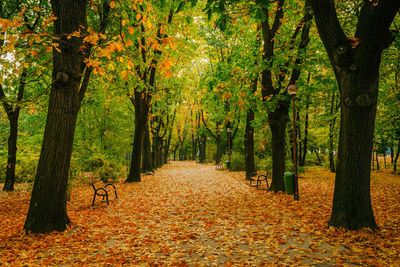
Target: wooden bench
<point x="102" y="192"/>
<point x="220" y="167"/>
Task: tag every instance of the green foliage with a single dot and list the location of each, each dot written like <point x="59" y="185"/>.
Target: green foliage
<point x="238" y="162"/>
<point x="264" y="164"/>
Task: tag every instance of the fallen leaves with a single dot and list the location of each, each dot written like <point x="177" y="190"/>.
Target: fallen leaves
<point x="191" y="214"/>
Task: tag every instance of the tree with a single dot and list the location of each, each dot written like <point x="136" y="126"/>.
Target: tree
<point x="278" y="115"/>
<point x="355" y="61"/>
<point x="12" y="94"/>
<point x="48" y="205"/>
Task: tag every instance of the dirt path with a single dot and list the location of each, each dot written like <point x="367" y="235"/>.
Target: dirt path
<point x="184" y="214"/>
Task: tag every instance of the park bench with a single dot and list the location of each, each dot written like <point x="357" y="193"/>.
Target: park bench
<point x="257" y="183"/>
<point x="102" y="192"/>
<point x="220" y="167"/>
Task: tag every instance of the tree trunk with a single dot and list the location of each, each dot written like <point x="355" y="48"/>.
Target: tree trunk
<point x="391" y="155"/>
<point x="12" y="151"/>
<point x="305" y="139"/>
<point x="396" y="158"/>
<point x="298" y="136"/>
<point x="277" y="123"/>
<point x="377" y="162"/>
<point x="352" y="203"/>
<point x="13" y="115"/>
<point x="159" y="153"/>
<point x="166" y="147"/>
<point x="147" y="157"/>
<point x="175" y="149"/>
<point x="356" y="66"/>
<point x="202" y="148"/>
<point x="384" y="159"/>
<point x="141" y="116"/>
<point x="48" y="205"/>
<point x="218" y="139"/>
<point x="194" y="147"/>
<point x="317" y="154"/>
<point x="249" y="144"/>
<point x="373" y="161"/>
<point x="332" y="123"/>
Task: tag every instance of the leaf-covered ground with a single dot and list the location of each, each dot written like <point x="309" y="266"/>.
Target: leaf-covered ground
<point x="192" y="214"/>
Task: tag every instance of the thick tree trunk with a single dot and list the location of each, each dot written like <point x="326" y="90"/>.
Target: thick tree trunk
<point x="48" y="205"/>
<point x="352" y="202"/>
<point x="277" y="123"/>
<point x="356" y="66"/>
<point x="249" y="144"/>
<point x="141" y="116"/>
<point x="12" y="151"/>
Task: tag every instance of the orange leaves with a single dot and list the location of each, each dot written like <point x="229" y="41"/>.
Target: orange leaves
<point x="131" y="30"/>
<point x="166" y="64"/>
<point x="191" y="214"/>
<point x="354" y="41"/>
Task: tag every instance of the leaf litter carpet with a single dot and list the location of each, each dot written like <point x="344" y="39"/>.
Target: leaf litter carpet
<point x="190" y="214"/>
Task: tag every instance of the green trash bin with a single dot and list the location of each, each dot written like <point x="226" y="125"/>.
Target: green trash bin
<point x="289" y="182"/>
<point x="226" y="164"/>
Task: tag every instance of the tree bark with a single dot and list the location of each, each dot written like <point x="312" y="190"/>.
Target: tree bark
<point x="13" y="116"/>
<point x="218" y="139"/>
<point x="148" y="159"/>
<point x="48" y="205"/>
<point x="305" y="139"/>
<point x="202" y="148"/>
<point x="279" y="117"/>
<point x="249" y="138"/>
<point x="12" y="151"/>
<point x="141" y="117"/>
<point x="356" y="66"/>
<point x="332" y="123"/>
<point x="277" y="122"/>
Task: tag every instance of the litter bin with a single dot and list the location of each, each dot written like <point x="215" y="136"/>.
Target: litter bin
<point x="226" y="164"/>
<point x="289" y="182"/>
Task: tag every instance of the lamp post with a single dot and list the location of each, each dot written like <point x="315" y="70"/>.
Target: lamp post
<point x="292" y="90"/>
<point x="228" y="130"/>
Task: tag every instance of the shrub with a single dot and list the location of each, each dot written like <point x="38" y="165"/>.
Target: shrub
<point x="265" y="164"/>
<point x="107" y="172"/>
<point x="238" y="162"/>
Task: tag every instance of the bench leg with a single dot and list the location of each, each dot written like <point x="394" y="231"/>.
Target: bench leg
<point x="94" y="198"/>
